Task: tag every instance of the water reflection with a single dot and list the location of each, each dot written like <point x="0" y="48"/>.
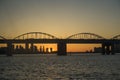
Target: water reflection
<point x="52" y="67"/>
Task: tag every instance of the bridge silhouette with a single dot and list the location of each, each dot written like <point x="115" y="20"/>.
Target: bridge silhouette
<point x="108" y="45"/>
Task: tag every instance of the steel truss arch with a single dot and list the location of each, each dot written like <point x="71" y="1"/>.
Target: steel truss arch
<point x="1" y="37"/>
<point x="116" y="37"/>
<point x="85" y="36"/>
<point x="35" y="35"/>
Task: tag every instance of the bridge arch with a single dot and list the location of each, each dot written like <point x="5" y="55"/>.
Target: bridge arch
<point x="35" y="35"/>
<point x="116" y="37"/>
<point x="1" y="37"/>
<point x="85" y="36"/>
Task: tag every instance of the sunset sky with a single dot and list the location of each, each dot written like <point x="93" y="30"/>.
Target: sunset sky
<point x="60" y="18"/>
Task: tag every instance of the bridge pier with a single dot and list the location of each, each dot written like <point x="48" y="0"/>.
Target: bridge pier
<point x="113" y="49"/>
<point x="108" y="49"/>
<point x="27" y="47"/>
<point x="31" y="47"/>
<point x="9" y="51"/>
<point x="103" y="49"/>
<point x="61" y="47"/>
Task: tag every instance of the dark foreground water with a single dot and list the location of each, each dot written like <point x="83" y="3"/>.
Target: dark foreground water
<point x="52" y="67"/>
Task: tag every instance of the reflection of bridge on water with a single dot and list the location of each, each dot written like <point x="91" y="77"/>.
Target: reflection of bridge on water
<point x="39" y="37"/>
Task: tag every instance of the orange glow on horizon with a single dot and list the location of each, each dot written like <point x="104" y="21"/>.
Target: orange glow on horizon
<point x="70" y="47"/>
<point x="81" y="47"/>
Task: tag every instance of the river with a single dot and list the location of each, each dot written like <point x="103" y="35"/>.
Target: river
<point x="53" y="67"/>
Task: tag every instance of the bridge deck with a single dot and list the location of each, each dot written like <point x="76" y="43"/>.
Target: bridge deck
<point x="70" y="41"/>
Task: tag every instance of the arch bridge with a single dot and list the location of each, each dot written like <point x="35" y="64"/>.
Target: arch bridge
<point x="35" y="35"/>
<point x="1" y="37"/>
<point x="85" y="36"/>
<point x="116" y="37"/>
<point x="40" y="37"/>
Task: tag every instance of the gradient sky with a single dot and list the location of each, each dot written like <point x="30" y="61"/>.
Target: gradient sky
<point x="60" y="18"/>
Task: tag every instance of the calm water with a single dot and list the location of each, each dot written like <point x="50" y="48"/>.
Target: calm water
<point x="52" y="67"/>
